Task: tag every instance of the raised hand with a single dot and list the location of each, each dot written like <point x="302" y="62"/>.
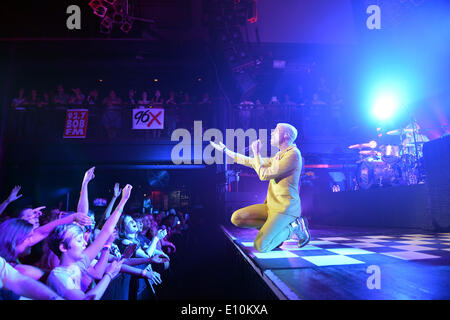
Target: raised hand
<point x="220" y="146"/>
<point x="89" y="175"/>
<point x="117" y="190"/>
<point x="164" y="256"/>
<point x="126" y="192"/>
<point x="161" y="234"/>
<point x="154" y="276"/>
<point x="114" y="268"/>
<point x="82" y="219"/>
<point x="13" y="196"/>
<point x="171" y="245"/>
<point x="38" y="211"/>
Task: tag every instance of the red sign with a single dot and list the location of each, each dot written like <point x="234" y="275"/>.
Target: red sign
<point x="76" y="123"/>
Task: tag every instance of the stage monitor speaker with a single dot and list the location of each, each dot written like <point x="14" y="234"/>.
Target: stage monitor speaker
<point x="436" y="155"/>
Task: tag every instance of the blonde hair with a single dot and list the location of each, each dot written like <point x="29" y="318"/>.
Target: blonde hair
<point x="290" y="130"/>
<point x="63" y="234"/>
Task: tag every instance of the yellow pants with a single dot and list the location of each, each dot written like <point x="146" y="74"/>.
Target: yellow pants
<point x="273" y="228"/>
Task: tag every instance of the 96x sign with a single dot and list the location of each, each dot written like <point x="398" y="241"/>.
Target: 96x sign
<point x="148" y="118"/>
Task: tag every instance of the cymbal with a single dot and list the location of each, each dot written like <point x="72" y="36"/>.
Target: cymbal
<point x="369" y="152"/>
<point x="371" y="144"/>
<point x="412" y="144"/>
<point x="397" y="132"/>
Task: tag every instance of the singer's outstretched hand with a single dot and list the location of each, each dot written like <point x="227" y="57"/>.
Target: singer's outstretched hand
<point x="219" y="146"/>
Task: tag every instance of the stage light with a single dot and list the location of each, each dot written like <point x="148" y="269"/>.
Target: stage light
<point x="112" y="12"/>
<point x="94" y="4"/>
<point x="156" y="80"/>
<point x="100" y="11"/>
<point x="107" y="23"/>
<point x="385" y="106"/>
<point x="118" y="17"/>
<point x="126" y="25"/>
<point x="98" y="7"/>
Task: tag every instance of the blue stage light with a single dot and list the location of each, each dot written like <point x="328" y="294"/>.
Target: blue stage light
<point x="385" y="106"/>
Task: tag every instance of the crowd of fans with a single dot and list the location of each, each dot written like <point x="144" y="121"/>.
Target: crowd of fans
<point x="320" y="101"/>
<point x="317" y="102"/>
<point x="113" y="106"/>
<point x="76" y="97"/>
<point x="74" y="256"/>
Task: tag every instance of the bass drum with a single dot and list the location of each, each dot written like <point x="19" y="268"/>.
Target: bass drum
<point x="371" y="173"/>
<point x="390" y="153"/>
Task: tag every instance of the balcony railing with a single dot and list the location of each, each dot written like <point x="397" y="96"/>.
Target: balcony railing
<point x="46" y="124"/>
<point x="313" y="120"/>
<point x="33" y="123"/>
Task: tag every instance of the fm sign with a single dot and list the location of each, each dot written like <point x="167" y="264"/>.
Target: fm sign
<point x="73" y="21"/>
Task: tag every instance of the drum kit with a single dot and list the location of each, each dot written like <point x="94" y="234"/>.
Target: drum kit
<point x="390" y="164"/>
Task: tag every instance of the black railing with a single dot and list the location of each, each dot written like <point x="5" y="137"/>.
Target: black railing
<point x="33" y="123"/>
<point x="316" y="120"/>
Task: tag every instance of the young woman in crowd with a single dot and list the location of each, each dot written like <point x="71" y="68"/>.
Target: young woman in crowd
<point x="129" y="234"/>
<point x="78" y="260"/>
<point x="68" y="244"/>
<point x="17" y="237"/>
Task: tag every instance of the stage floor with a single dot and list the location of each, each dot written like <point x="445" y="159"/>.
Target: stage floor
<point x="342" y="263"/>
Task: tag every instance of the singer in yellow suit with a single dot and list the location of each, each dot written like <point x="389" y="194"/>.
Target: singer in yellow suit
<point x="279" y="217"/>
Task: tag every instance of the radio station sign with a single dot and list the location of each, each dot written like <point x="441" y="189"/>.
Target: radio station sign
<point x="76" y="123"/>
<point x="148" y="118"/>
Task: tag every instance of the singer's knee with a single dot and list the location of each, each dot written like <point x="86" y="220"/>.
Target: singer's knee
<point x="236" y="218"/>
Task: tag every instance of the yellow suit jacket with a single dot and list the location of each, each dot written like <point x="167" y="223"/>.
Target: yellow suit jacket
<point x="283" y="170"/>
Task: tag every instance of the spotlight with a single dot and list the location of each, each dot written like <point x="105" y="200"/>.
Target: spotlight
<point x="385" y="106"/>
<point x="155" y="80"/>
